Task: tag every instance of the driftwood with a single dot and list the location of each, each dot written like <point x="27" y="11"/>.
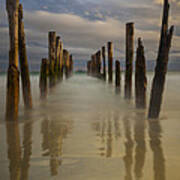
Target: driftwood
<point x="129" y="59"/>
<point x="104" y="62"/>
<point x="140" y="77"/>
<point x="43" y="78"/>
<point x="52" y="58"/>
<point x="161" y="66"/>
<point x="118" y="74"/>
<point x="25" y="77"/>
<point x="110" y="61"/>
<point x="12" y="97"/>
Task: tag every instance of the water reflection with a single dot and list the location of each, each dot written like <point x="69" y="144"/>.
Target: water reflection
<point x="27" y="150"/>
<point x="128" y="158"/>
<point x="53" y="133"/>
<point x="108" y="130"/>
<point x="14" y="150"/>
<point x="140" y="150"/>
<point x="158" y="155"/>
<point x="109" y="139"/>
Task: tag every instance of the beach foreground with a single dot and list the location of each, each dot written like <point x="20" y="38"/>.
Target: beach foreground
<point x="84" y="130"/>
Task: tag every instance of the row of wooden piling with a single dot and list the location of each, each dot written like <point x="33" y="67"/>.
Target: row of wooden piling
<point x="59" y="61"/>
<point x="57" y="64"/>
<point x="94" y="66"/>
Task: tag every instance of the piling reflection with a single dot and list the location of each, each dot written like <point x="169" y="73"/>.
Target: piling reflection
<point x="108" y="130"/>
<point x="117" y="129"/>
<point x="109" y="140"/>
<point x="140" y="150"/>
<point x="158" y="155"/>
<point x="19" y="160"/>
<point x="54" y="132"/>
<point x="128" y="158"/>
<point x="14" y="150"/>
<point x="27" y="150"/>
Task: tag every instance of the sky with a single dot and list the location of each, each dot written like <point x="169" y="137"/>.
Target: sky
<point x="87" y="25"/>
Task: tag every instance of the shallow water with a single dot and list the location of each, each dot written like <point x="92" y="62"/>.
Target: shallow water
<point x="86" y="131"/>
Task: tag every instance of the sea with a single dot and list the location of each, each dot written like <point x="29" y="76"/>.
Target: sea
<point x="86" y="130"/>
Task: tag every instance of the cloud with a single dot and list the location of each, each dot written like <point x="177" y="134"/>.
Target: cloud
<point x="87" y="25"/>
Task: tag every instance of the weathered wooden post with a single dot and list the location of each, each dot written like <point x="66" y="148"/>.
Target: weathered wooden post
<point x="61" y="61"/>
<point x="93" y="65"/>
<point x="12" y="97"/>
<point x="161" y="66"/>
<point x="140" y="77"/>
<point x="66" y="62"/>
<point x="25" y="77"/>
<point x="96" y="64"/>
<point x="52" y="57"/>
<point x="43" y="78"/>
<point x="71" y="64"/>
<point x="104" y="62"/>
<point x="57" y="60"/>
<point x="110" y="61"/>
<point x="118" y="75"/>
<point x="98" y="60"/>
<point x="129" y="59"/>
<point x="88" y="67"/>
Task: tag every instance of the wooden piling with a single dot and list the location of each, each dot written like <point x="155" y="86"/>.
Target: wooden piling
<point x="118" y="74"/>
<point x="57" y="60"/>
<point x="161" y="65"/>
<point x="12" y="97"/>
<point x="25" y="77"/>
<point x="98" y="63"/>
<point x="110" y="61"/>
<point x="52" y="57"/>
<point x="43" y="78"/>
<point x="140" y="76"/>
<point x="93" y="59"/>
<point x="66" y="62"/>
<point x="129" y="59"/>
<point x="104" y="62"/>
<point x="61" y="61"/>
<point x="71" y="64"/>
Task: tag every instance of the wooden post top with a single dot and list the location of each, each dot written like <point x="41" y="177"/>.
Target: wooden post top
<point x="20" y="9"/>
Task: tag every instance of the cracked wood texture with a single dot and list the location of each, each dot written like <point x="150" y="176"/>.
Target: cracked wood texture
<point x="104" y="62"/>
<point x="140" y="77"/>
<point x="25" y="77"/>
<point x="161" y="65"/>
<point x="52" y="58"/>
<point x="110" y="61"/>
<point x="12" y="97"/>
<point x="129" y="59"/>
